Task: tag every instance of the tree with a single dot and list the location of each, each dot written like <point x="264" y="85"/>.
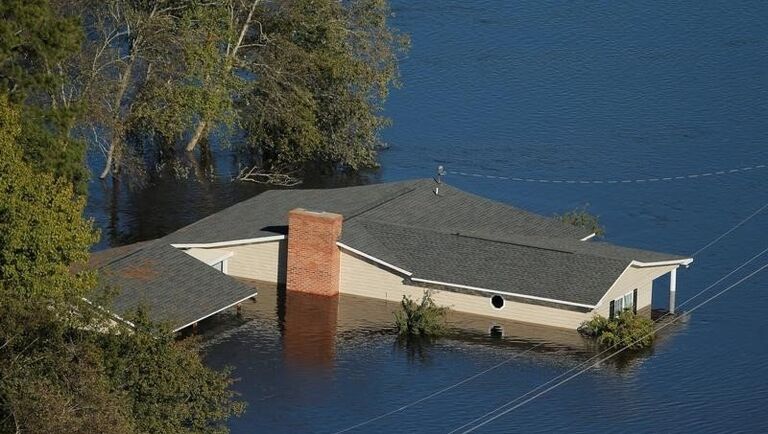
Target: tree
<point x="303" y="80"/>
<point x="64" y="365"/>
<point x="35" y="45"/>
<point x="166" y="386"/>
<point x="322" y="78"/>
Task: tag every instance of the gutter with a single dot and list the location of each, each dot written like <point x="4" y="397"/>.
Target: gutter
<point x="214" y="313"/>
<point x="684" y="262"/>
<point x="511" y="294"/>
<point x="229" y="243"/>
<point x="374" y="259"/>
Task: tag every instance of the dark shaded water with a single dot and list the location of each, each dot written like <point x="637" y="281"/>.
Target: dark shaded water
<point x="563" y="90"/>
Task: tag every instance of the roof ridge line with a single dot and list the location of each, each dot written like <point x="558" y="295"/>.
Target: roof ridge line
<point x="496" y="240"/>
<point x="477" y="237"/>
<point x="411" y="189"/>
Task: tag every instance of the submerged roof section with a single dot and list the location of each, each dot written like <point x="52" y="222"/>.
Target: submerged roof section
<point x="176" y="288"/>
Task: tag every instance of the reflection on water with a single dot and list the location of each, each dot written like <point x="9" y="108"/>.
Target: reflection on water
<point x="309" y="329"/>
<point x="304" y="360"/>
<point x="314" y="328"/>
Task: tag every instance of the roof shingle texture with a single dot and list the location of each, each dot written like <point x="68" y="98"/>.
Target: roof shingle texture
<point x="176" y="288"/>
<point x="454" y="237"/>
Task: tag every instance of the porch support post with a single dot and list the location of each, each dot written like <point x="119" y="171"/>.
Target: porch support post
<point x="672" y="290"/>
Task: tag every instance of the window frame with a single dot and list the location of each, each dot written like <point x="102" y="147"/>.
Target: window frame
<point x="622" y="303"/>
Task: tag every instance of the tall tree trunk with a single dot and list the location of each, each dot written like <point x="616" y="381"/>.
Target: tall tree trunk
<point x="203" y="123"/>
<point x="196" y="136"/>
<point x="117" y="132"/>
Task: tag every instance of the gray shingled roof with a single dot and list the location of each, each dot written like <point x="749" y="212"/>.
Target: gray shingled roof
<point x="175" y="288"/>
<point x="558" y="269"/>
<point x="407" y="202"/>
<point x="454" y="237"/>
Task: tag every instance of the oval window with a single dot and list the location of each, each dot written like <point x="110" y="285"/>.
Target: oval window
<point x="497" y="301"/>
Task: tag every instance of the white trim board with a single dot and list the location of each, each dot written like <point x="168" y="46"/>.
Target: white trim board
<point x="214" y="313"/>
<point x="512" y="294"/>
<point x="109" y="312"/>
<point x="211" y="260"/>
<point x="588" y="237"/>
<point x="685" y="262"/>
<point x="374" y="259"/>
<point x="229" y="243"/>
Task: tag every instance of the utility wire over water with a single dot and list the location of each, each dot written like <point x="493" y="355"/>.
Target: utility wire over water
<point x="610" y="181"/>
<point x="705" y="247"/>
<point x="432" y="395"/>
<point x="539" y="387"/>
<point x="598" y="362"/>
<point x="620" y="350"/>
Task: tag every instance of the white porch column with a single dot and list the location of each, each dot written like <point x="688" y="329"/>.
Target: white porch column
<point x="672" y="290"/>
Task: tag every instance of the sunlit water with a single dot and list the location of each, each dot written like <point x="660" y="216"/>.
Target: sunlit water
<point x="561" y="90"/>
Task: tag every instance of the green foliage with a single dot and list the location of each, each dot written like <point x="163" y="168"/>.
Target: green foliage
<point x="65" y="366"/>
<point x="581" y="218"/>
<point x="420" y="319"/>
<point x="302" y="81"/>
<point x="164" y="381"/>
<point x="42" y="232"/>
<point x="35" y="45"/>
<point x="626" y="329"/>
<point x="323" y="76"/>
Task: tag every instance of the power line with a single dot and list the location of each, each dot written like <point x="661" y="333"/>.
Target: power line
<point x="732" y="229"/>
<point x="658" y="320"/>
<point x="708" y="245"/>
<point x="610" y="181"/>
<point x="432" y="395"/>
<point x="609" y="357"/>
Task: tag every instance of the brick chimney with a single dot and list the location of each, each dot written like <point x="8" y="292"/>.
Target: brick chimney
<point x="313" y="256"/>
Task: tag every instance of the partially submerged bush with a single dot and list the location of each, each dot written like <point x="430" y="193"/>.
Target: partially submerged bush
<point x="420" y="319"/>
<point x="581" y="218"/>
<point x="626" y="329"/>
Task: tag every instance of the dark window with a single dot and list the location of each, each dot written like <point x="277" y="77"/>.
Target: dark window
<point x="497" y="301"/>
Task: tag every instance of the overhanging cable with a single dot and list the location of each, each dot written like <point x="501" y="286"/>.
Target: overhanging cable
<point x="609" y="357"/>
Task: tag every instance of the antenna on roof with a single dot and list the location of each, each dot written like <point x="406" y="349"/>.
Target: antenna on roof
<point x="439" y="179"/>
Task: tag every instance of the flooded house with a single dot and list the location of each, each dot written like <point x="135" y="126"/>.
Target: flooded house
<point x="385" y="241"/>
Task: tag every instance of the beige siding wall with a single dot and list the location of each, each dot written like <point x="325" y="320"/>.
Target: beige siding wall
<point x="259" y="261"/>
<point x="634" y="277"/>
<point x="363" y="278"/>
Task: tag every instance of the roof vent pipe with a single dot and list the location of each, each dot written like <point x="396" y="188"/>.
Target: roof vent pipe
<point x="439" y="179"/>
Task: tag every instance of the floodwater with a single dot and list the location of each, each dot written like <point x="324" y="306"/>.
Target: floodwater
<point x="541" y="90"/>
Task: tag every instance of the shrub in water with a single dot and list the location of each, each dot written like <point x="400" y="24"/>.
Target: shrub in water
<point x="420" y="319"/>
<point x="626" y="329"/>
<point x="581" y="218"/>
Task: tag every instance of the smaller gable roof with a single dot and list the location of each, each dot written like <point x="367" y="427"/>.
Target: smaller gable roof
<point x="176" y="288"/>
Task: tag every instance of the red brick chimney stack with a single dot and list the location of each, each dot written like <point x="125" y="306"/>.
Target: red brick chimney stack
<point x="313" y="256"/>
